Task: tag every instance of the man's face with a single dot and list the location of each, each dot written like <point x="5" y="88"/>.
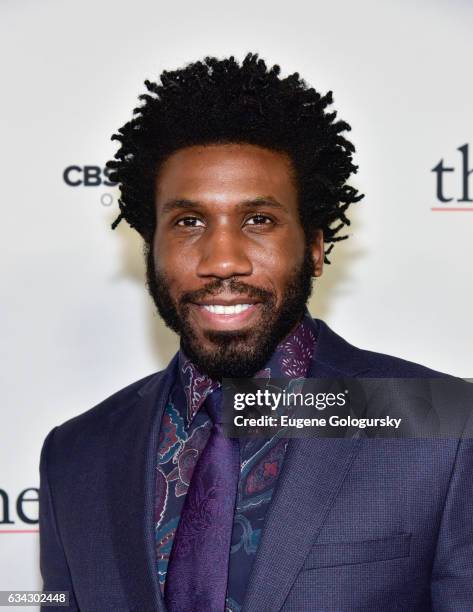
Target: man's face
<point x="229" y="268"/>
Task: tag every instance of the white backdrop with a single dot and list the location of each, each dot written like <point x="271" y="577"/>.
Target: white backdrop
<point x="77" y="321"/>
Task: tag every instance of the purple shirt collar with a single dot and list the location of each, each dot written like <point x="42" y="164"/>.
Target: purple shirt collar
<point x="291" y="359"/>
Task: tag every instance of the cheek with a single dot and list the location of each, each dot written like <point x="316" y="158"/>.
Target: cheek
<point x="177" y="268"/>
<point x="278" y="261"/>
<point x="167" y="259"/>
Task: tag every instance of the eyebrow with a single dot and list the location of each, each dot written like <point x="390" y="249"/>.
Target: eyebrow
<point x="184" y="204"/>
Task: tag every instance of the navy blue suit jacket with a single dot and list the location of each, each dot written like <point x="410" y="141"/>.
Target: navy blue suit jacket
<point x="354" y="524"/>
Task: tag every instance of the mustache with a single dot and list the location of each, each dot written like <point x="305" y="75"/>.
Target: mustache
<point x="217" y="286"/>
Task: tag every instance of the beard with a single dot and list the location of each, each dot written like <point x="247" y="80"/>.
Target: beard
<point x="233" y="353"/>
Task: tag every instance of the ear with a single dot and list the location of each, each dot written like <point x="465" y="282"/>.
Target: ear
<point x="317" y="248"/>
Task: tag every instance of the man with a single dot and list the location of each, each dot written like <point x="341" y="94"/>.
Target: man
<point x="236" y="178"/>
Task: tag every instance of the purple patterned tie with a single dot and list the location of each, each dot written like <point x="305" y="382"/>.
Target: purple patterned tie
<point x="197" y="574"/>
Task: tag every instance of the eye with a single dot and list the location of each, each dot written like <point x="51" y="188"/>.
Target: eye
<point x="259" y="220"/>
<point x="190" y="222"/>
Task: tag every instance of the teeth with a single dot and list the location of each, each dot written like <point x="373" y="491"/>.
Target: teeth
<point x="226" y="310"/>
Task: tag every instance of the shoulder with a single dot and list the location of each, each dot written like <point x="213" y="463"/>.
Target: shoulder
<point x="126" y="396"/>
<point x="88" y="428"/>
<point x="336" y="353"/>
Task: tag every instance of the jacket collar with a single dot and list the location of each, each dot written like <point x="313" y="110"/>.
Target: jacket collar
<point x="311" y="477"/>
<point x="312" y="474"/>
<point x="132" y="451"/>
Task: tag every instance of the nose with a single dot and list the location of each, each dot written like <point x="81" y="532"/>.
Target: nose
<point x="223" y="254"/>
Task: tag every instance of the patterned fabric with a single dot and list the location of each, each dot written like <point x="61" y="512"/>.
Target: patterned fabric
<point x="185" y="430"/>
<point x="198" y="567"/>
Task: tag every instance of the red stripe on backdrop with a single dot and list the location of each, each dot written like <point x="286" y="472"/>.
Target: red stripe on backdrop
<point x="19" y="530"/>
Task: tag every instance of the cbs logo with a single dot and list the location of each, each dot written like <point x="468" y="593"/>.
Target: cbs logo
<point x="89" y="176"/>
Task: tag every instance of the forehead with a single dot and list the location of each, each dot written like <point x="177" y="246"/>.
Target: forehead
<point x="226" y="172"/>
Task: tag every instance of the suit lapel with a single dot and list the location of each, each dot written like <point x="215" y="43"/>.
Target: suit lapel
<point x="308" y="484"/>
<point x="313" y="472"/>
<point x="134" y="433"/>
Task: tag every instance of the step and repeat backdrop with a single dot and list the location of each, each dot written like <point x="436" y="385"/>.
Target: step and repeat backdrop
<point x="77" y="323"/>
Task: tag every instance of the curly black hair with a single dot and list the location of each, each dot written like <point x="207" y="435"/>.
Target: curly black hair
<point x="223" y="101"/>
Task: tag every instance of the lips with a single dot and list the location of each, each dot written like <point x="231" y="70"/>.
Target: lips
<point x="220" y="314"/>
<point x="222" y="309"/>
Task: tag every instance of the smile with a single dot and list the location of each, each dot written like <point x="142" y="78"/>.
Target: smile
<point x="221" y="309"/>
<point x="227" y="316"/>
